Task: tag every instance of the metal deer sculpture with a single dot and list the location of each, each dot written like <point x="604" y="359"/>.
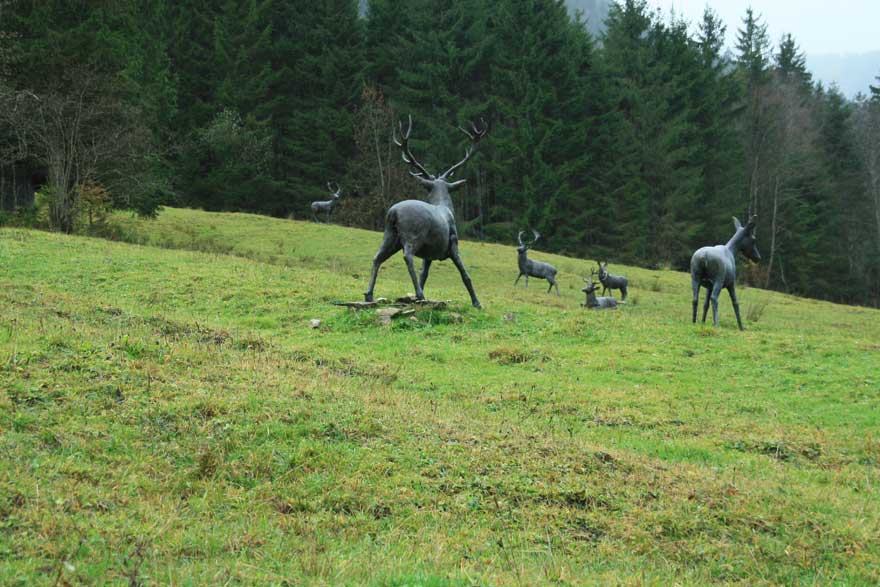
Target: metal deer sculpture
<point x="612" y="282"/>
<point x="531" y="268"/>
<point x="327" y="206"/>
<point x="425" y="229"/>
<point x="597" y="303"/>
<point x="715" y="267"/>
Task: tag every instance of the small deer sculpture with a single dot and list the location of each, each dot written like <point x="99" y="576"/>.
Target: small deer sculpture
<point x="612" y="282"/>
<point x="715" y="267"/>
<point x="327" y="206"/>
<point x="597" y="303"/>
<point x="425" y="229"/>
<point x="531" y="268"/>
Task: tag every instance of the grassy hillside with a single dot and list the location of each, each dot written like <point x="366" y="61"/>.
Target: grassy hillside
<point x="167" y="416"/>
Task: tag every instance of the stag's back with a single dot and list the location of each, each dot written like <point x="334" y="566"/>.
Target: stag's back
<point x="710" y="264"/>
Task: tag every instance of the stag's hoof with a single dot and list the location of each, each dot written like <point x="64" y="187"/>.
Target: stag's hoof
<point x="477" y="305"/>
<point x="368" y="297"/>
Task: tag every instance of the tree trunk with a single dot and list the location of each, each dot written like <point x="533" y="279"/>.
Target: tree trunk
<point x="772" y="233"/>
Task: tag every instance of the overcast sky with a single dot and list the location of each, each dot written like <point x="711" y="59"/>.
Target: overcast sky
<point x="819" y="26"/>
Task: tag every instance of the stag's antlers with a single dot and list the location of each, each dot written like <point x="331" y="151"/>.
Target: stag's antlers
<point x="475" y="135"/>
<point x="335" y="192"/>
<point x="407" y="155"/>
<point x="531" y="244"/>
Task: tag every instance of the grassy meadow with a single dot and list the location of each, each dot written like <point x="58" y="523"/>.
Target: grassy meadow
<point x="168" y="417"/>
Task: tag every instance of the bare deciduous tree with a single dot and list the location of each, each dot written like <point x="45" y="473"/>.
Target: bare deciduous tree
<point x="379" y="180"/>
<point x="74" y="127"/>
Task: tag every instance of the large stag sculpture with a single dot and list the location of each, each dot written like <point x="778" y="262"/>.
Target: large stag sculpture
<point x="327" y="206"/>
<point x="715" y="267"/>
<point x="612" y="282"/>
<point x="425" y="229"/>
<point x="531" y="268"/>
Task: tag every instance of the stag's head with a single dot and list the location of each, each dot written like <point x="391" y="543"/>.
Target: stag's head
<point x="590" y="287"/>
<point x="336" y="191"/>
<point x="523" y="247"/>
<point x="603" y="270"/>
<point x="427" y="179"/>
<point x="748" y="245"/>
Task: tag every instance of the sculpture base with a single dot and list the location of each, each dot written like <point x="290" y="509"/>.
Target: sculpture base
<point x="404" y="302"/>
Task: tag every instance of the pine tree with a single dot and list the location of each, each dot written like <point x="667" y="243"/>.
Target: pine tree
<point x="791" y="64"/>
<point x="317" y="60"/>
<point x="542" y="120"/>
<point x="719" y="156"/>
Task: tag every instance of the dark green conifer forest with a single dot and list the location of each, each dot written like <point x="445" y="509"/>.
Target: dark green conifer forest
<point x="636" y="145"/>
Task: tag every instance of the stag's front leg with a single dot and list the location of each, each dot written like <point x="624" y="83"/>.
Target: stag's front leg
<point x="517" y="279"/>
<point x="426" y="265"/>
<point x="456" y="258"/>
<point x="696" y="286"/>
<point x="732" y="291"/>
<point x="411" y="267"/>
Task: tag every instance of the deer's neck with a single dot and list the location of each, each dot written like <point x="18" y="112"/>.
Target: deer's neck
<point x="592" y="302"/>
<point x="735" y="241"/>
<point x="441" y="197"/>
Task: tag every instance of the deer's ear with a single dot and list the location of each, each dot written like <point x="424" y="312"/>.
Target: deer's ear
<point x="736" y="223"/>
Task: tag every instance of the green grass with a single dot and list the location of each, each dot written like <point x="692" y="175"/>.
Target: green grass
<point x="167" y="416"/>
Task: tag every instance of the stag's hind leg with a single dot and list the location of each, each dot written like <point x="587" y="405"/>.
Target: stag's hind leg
<point x="388" y="247"/>
<point x="706" y="304"/>
<point x="426" y="266"/>
<point x="716" y="291"/>
<point x="411" y="267"/>
<point x="456" y="258"/>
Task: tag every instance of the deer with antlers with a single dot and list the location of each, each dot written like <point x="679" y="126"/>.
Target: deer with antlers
<point x="425" y="229"/>
<point x="327" y="206"/>
<point x="594" y="302"/>
<point x="531" y="268"/>
<point x="612" y="282"/>
<point x="715" y="268"/>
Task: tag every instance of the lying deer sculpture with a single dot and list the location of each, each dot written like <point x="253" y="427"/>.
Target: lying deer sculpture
<point x="594" y="302"/>
<point x="425" y="229"/>
<point x="715" y="267"/>
<point x="327" y="206"/>
<point x="531" y="268"/>
<point x="612" y="282"/>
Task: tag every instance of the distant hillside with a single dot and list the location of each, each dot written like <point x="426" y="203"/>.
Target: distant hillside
<point x="852" y="72"/>
<point x="595" y="12"/>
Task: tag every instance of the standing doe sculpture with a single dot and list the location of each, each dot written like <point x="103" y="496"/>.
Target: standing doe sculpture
<point x="425" y="229"/>
<point x="612" y="282"/>
<point x="327" y="206"/>
<point x="597" y="303"/>
<point x="715" y="267"/>
<point x="531" y="268"/>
